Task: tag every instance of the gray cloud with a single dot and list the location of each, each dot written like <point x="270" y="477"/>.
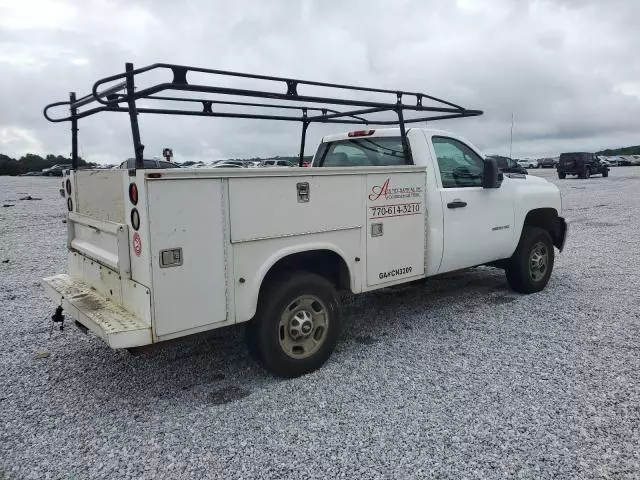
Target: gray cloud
<point x="567" y="70"/>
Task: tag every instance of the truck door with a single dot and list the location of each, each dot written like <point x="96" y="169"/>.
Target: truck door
<point x="478" y="222"/>
<point x="395" y="227"/>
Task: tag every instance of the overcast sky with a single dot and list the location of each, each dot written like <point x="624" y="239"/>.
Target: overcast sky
<point x="568" y="70"/>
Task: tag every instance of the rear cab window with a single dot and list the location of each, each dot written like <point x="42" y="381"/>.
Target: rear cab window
<point x="361" y="152"/>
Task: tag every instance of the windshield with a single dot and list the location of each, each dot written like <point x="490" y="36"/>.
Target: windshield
<point x="362" y="152"/>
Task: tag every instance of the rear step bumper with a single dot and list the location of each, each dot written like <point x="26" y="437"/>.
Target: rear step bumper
<point x="118" y="327"/>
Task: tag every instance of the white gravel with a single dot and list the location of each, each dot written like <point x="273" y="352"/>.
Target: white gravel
<point x="455" y="378"/>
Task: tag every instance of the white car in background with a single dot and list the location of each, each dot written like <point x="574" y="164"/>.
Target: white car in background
<point x="606" y="161"/>
<point x="528" y="163"/>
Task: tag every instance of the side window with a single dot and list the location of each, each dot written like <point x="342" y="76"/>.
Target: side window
<point x="459" y="165"/>
<point x="150" y="164"/>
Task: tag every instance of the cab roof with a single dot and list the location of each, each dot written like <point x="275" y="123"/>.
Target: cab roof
<point x="385" y="132"/>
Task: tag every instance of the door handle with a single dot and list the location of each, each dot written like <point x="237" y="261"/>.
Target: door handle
<point x="457" y="204"/>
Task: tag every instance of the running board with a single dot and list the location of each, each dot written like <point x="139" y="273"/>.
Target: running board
<point x="118" y="327"/>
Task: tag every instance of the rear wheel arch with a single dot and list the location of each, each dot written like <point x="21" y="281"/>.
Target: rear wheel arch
<point x="326" y="261"/>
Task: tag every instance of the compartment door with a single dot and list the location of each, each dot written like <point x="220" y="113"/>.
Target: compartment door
<point x="396" y="219"/>
<point x="189" y="271"/>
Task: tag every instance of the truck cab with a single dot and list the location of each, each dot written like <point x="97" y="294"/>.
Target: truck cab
<point x="471" y="220"/>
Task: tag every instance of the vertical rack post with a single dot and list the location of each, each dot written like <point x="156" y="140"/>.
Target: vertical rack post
<point x="305" y="125"/>
<point x="74" y="131"/>
<point x="403" y="133"/>
<point x="133" y="117"/>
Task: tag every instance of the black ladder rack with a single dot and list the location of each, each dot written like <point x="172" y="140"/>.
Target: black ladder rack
<point x="118" y="93"/>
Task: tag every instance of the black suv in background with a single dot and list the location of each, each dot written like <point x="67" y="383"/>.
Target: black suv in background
<point x="581" y="164"/>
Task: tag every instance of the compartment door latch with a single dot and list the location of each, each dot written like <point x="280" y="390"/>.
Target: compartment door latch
<point x="304" y="192"/>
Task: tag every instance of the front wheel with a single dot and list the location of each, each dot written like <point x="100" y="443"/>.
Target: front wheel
<point x="562" y="175"/>
<point x="605" y="173"/>
<point x="297" y="324"/>
<point x="530" y="266"/>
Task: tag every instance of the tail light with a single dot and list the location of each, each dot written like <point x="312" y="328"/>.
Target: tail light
<point x="361" y="133"/>
<point x="133" y="193"/>
<point x="135" y="219"/>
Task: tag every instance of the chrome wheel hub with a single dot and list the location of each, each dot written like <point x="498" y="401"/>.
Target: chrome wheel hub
<point x="303" y="327"/>
<point x="538" y="261"/>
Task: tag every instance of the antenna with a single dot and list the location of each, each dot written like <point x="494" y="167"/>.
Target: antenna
<point x="511" y="139"/>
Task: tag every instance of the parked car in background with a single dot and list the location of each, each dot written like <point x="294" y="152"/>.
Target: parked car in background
<point x="238" y="163"/>
<point x="548" y="162"/>
<point x="56" y="170"/>
<point x="624" y="161"/>
<point x="277" y="163"/>
<point x="529" y="163"/>
<point x="227" y="165"/>
<point x="605" y="161"/>
<point x="582" y="164"/>
<point x="148" y="163"/>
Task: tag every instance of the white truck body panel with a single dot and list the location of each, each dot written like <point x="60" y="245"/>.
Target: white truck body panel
<point x="386" y="224"/>
<point x="262" y="208"/>
<point x="396" y="206"/>
<point x="188" y="214"/>
<point x="98" y="194"/>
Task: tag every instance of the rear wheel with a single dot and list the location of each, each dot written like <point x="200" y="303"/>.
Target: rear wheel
<point x="562" y="175"/>
<point x="297" y="324"/>
<point x="530" y="266"/>
<point x="605" y="173"/>
<point x="586" y="172"/>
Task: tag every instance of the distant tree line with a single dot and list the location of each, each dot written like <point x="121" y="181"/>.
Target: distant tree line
<point x="620" y="151"/>
<point x="32" y="163"/>
<point x="35" y="163"/>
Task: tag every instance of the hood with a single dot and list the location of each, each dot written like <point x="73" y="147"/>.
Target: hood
<point x="537" y="180"/>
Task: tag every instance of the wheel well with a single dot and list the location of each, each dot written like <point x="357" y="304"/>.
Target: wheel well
<point x="546" y="218"/>
<point x="326" y="263"/>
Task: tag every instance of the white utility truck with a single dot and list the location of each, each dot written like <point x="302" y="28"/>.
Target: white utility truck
<point x="158" y="254"/>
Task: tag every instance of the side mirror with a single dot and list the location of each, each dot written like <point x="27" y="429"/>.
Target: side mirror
<point x="491" y="176"/>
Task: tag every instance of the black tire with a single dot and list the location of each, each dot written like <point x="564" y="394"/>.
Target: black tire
<point x="562" y="175"/>
<point x="520" y="274"/>
<point x="605" y="173"/>
<point x="266" y="336"/>
<point x="251" y="339"/>
<point x="586" y="173"/>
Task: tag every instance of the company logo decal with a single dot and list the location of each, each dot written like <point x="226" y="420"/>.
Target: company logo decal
<point x="386" y="192"/>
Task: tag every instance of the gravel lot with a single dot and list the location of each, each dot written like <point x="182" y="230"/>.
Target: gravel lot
<point x="455" y="378"/>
